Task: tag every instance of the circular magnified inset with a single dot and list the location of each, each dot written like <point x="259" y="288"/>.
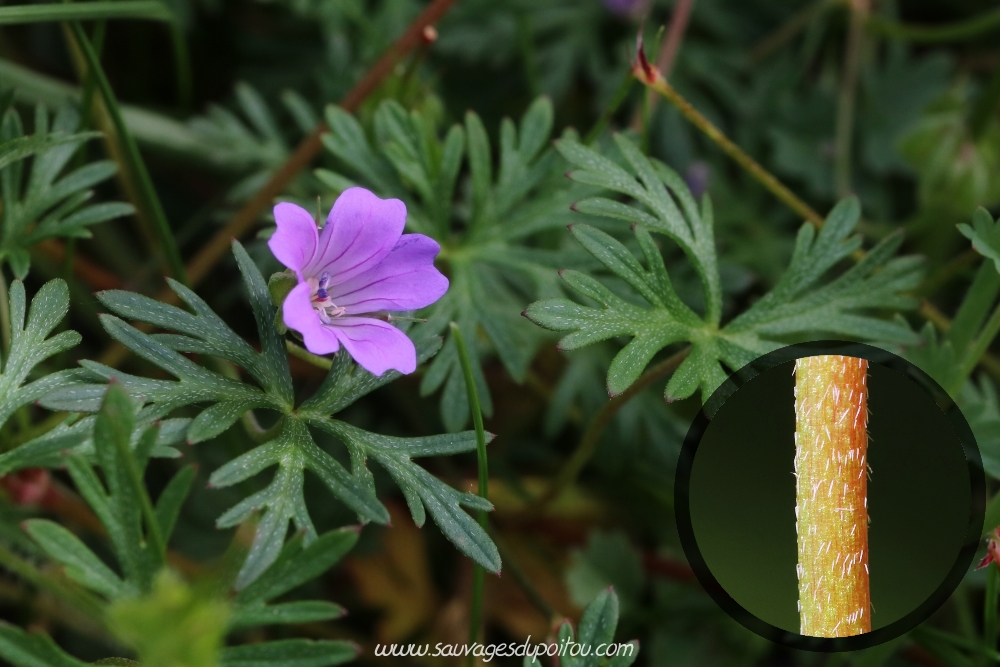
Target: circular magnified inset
<point x="833" y="500"/>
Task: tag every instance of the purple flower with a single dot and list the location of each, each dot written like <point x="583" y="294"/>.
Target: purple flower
<point x="360" y="263"/>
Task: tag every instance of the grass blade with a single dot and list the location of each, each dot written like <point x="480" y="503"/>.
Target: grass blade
<point x="150" y="10"/>
<point x="150" y="201"/>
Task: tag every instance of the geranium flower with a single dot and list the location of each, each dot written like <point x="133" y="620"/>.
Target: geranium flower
<point x="359" y="266"/>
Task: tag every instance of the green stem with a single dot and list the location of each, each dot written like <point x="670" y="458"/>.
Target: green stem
<point x="90" y="82"/>
<point x="951" y="32"/>
<point x="846" y="99"/>
<point x="182" y="62"/>
<point x="478" y="574"/>
<point x="591" y="437"/>
<point x="605" y="119"/>
<point x="991" y="628"/>
<point x="991" y="519"/>
<point x="152" y="10"/>
<point x="651" y="77"/>
<point x="528" y="52"/>
<point x="955" y="640"/>
<point x="979" y="345"/>
<point x="150" y="200"/>
<point x="139" y="489"/>
<point x="307" y="356"/>
<point x="534" y="596"/>
<point x="5" y="326"/>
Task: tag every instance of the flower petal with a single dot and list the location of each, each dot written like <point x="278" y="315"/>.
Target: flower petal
<point x="376" y="345"/>
<point x="298" y="314"/>
<point x="360" y="230"/>
<point x="294" y="244"/>
<point x="405" y="280"/>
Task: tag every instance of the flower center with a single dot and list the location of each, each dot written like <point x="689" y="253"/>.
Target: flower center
<point x="322" y="302"/>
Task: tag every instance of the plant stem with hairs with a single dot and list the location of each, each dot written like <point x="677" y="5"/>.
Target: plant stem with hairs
<point x="831" y="489"/>
<point x="478" y="574"/>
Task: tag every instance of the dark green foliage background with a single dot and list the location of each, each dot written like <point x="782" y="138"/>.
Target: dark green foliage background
<point x="642" y="285"/>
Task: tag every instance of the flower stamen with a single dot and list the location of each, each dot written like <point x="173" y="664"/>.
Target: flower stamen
<point x="322" y="303"/>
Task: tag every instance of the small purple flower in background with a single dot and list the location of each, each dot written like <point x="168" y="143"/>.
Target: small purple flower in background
<point x="696" y="178"/>
<point x="360" y="263"/>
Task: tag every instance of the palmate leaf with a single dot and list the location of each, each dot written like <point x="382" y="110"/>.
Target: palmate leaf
<point x="293" y="450"/>
<point x="46" y="205"/>
<point x="251" y="142"/>
<point x="493" y="269"/>
<point x="984" y="234"/>
<point x="147" y="601"/>
<point x="801" y="304"/>
<point x="951" y="355"/>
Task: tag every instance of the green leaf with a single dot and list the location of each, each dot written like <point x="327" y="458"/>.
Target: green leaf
<point x="151" y="10"/>
<point x="168" y="505"/>
<point x="13" y="150"/>
<point x="121" y="505"/>
<point x="984" y="234"/>
<point x="298" y="564"/>
<point x="30" y="345"/>
<point x="81" y="564"/>
<point x="346" y="381"/>
<point x="801" y="305"/>
<point x="289" y="653"/>
<point x="596" y="630"/>
<point x="23" y="649"/>
<point x="45" y="205"/>
<point x="173" y="624"/>
<point x="484" y="228"/>
<point x="283" y="500"/>
<point x="672" y="209"/>
<point x="309" y="611"/>
<point x="956" y="172"/>
<point x="422" y="490"/>
<point x="980" y="405"/>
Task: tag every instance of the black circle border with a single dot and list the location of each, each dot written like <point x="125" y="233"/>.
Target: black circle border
<point x="977" y="511"/>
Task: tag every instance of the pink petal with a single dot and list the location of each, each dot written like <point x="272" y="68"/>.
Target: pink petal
<point x="294" y="244"/>
<point x="360" y="230"/>
<point x="377" y="346"/>
<point x="298" y="314"/>
<point x="405" y="280"/>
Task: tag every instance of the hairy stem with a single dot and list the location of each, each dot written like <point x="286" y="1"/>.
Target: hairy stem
<point x="478" y="574"/>
<point x="307" y="356"/>
<point x="831" y="485"/>
<point x="652" y="78"/>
